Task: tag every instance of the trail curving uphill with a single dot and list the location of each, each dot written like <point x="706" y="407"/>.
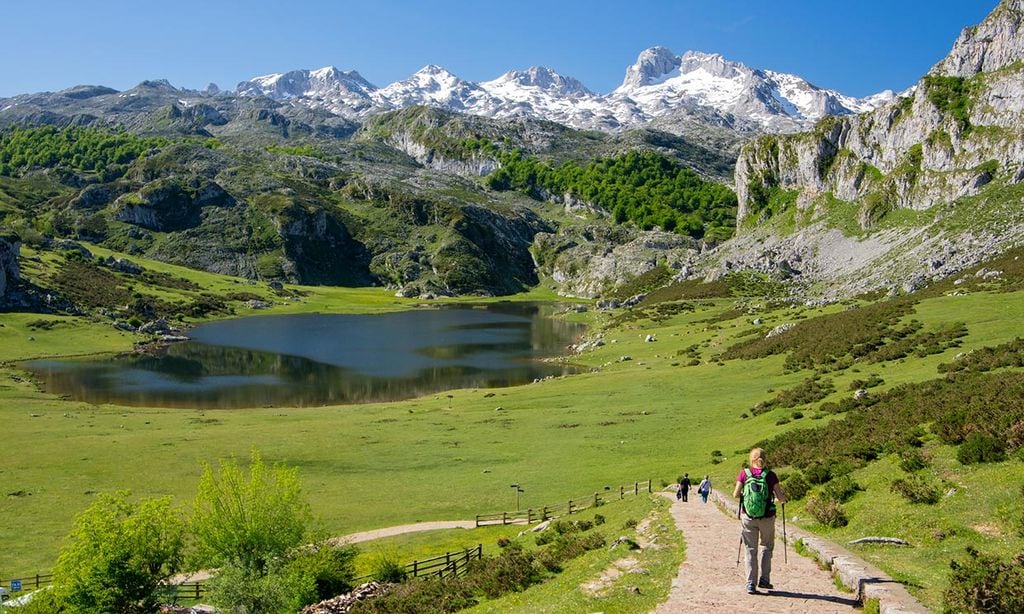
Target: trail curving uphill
<point x="710" y="581"/>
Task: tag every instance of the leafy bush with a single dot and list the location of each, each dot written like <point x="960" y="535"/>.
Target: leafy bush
<point x="841" y="489"/>
<point x="796" y="487"/>
<point x="951" y="95"/>
<point x="118" y="554"/>
<point x="913" y="459"/>
<point x="426" y="595"/>
<point x="871" y="382"/>
<point x="917" y="489"/>
<point x="818" y="473"/>
<point x="985" y="583"/>
<point x="45" y="601"/>
<point x="810" y="390"/>
<point x="319" y="572"/>
<point x="981" y="448"/>
<point x="568" y="547"/>
<point x="512" y="570"/>
<point x="827" y="511"/>
<point x="249" y="520"/>
<point x="387" y="568"/>
<point x="236" y="588"/>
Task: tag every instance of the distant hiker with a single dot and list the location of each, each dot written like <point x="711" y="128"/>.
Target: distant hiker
<point x="684" y="487"/>
<point x="704" y="489"/>
<point x="758" y="489"/>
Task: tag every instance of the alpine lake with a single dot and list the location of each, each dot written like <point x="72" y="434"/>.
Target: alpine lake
<point x="327" y="359"/>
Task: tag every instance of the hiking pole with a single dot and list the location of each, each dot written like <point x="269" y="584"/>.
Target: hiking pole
<point x="739" y="547"/>
<point x="785" y="553"/>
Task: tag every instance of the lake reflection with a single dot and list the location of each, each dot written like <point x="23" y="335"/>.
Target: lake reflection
<point x="317" y="359"/>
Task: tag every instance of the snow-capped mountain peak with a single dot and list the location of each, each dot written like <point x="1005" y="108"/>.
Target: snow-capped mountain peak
<point x="327" y="83"/>
<point x="659" y="85"/>
<point x="538" y="78"/>
<point x="652" y="66"/>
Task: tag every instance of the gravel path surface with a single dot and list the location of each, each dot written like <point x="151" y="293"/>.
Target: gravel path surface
<point x="365" y="536"/>
<point x="710" y="581"/>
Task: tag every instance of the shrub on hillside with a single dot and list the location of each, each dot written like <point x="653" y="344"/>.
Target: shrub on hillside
<point x="913" y="459"/>
<point x="985" y="583"/>
<point x="828" y="512"/>
<point x="514" y="569"/>
<point x="841" y="489"/>
<point x="796" y="487"/>
<point x="917" y="489"/>
<point x="981" y="448"/>
<point x="386" y="568"/>
<point x="319" y="572"/>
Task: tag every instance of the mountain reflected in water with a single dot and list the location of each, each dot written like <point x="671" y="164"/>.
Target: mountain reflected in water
<point x="318" y="359"/>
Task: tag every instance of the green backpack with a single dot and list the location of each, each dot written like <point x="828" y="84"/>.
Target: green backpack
<point x="756" y="496"/>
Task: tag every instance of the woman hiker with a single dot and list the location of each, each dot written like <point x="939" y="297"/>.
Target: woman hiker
<point x="704" y="489"/>
<point x="758" y="490"/>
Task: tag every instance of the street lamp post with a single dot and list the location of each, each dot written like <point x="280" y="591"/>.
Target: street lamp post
<point x="518" y="490"/>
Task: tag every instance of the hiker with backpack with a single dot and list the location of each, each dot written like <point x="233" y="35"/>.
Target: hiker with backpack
<point x="684" y="488"/>
<point x="704" y="489"/>
<point x="758" y="489"/>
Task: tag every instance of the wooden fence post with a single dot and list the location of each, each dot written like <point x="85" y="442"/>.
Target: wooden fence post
<point x="545" y="513"/>
<point x="622" y="492"/>
<point x="570" y="507"/>
<point x="504" y="518"/>
<point x="597" y="500"/>
<point x="415" y="568"/>
<point x="636" y="488"/>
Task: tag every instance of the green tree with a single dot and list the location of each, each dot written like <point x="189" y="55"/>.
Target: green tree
<point x="118" y="555"/>
<point x="248" y="518"/>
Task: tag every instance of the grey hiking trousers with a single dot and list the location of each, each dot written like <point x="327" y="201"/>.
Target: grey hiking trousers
<point x="754" y="530"/>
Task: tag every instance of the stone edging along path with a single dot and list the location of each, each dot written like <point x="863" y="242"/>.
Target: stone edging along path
<point x="866" y="580"/>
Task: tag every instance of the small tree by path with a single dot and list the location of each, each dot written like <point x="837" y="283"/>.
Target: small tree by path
<point x="118" y="555"/>
<point x="251" y="519"/>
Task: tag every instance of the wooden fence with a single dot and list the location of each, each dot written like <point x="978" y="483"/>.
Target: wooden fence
<point x="28" y="583"/>
<point x="572" y="506"/>
<point x="448" y="565"/>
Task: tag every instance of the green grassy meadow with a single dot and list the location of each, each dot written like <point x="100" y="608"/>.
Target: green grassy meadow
<point x="434" y="458"/>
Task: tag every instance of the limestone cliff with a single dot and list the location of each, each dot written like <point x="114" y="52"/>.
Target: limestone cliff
<point x="958" y="133"/>
<point x="9" y="272"/>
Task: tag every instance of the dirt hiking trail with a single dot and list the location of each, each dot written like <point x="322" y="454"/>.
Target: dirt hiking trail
<point x="710" y="581"/>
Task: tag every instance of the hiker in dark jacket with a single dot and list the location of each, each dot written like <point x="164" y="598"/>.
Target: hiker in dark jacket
<point x="684" y="487"/>
<point x="758" y="489"/>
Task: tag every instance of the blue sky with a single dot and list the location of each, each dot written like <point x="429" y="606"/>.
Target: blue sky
<point x="858" y="47"/>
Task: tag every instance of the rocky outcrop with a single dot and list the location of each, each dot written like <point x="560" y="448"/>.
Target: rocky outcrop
<point x="319" y="249"/>
<point x="475" y="165"/>
<point x="588" y="261"/>
<point x="959" y="127"/>
<point x="170" y="204"/>
<point x="10" y="245"/>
